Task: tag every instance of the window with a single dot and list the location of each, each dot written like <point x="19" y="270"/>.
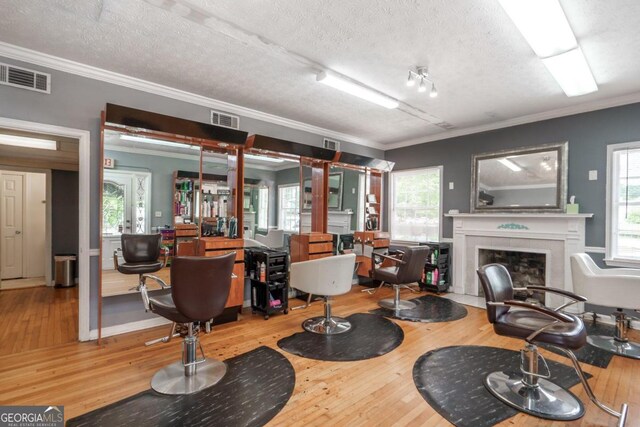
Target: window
<point x="623" y="204"/>
<point x="126" y="202"/>
<point x="113" y="201"/>
<point x="263" y="208"/>
<point x="415" y="204"/>
<point x="289" y="207"/>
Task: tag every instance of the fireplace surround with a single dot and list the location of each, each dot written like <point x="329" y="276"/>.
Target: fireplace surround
<point x="556" y="236"/>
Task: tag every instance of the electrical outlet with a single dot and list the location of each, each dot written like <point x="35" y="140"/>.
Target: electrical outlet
<point x="353" y="191"/>
<point x="158" y="214"/>
<point x="593" y="175"/>
<point x="451" y="185"/>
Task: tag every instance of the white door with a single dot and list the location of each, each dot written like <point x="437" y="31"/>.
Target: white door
<point x="11" y="224"/>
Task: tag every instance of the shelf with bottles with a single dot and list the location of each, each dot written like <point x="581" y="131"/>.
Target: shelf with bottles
<point x="372" y="213"/>
<point x="268" y="271"/>
<point x="436" y="274"/>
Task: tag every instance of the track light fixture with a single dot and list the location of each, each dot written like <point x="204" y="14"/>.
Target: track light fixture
<point x="421" y="74"/>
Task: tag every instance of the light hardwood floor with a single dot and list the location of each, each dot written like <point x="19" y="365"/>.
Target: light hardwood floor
<point x="375" y="392"/>
<point x="38" y="317"/>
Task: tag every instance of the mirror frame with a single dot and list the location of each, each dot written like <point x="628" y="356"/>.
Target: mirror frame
<point x="562" y="148"/>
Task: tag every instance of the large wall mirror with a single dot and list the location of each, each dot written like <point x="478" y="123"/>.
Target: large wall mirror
<point x="149" y="186"/>
<point x="530" y="179"/>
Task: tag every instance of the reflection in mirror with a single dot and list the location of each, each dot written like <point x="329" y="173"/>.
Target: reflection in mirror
<point x="148" y="188"/>
<point x="532" y="179"/>
<point x="272" y="198"/>
<point x="216" y="201"/>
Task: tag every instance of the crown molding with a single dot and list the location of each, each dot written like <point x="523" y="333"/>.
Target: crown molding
<point x="49" y="61"/>
<point x="530" y="118"/>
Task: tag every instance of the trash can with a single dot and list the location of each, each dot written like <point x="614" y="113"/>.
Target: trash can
<point x="65" y="270"/>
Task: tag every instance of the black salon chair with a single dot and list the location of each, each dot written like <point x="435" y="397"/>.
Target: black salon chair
<point x="528" y="390"/>
<point x="199" y="291"/>
<point x="408" y="268"/>
<point x="141" y="253"/>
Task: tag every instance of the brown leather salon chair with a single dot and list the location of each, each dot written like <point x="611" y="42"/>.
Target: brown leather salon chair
<point x="407" y="269"/>
<point x="199" y="291"/>
<point x="141" y="253"/>
<point x="528" y="389"/>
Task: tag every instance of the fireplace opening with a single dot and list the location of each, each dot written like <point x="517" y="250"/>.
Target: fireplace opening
<point x="525" y="269"/>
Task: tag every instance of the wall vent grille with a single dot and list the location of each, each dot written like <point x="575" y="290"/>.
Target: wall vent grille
<point x="331" y="144"/>
<point x="10" y="75"/>
<point x="225" y="120"/>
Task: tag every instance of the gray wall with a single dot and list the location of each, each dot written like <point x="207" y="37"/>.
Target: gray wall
<point x="64" y="213"/>
<point x="76" y="102"/>
<point x="588" y="135"/>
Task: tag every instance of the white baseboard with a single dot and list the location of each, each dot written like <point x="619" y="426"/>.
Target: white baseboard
<point x="246" y="303"/>
<point x="129" y="327"/>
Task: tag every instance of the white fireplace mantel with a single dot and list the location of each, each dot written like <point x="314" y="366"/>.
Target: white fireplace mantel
<point x="557" y="235"/>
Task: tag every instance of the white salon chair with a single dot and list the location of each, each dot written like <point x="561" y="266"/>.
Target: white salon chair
<point x="326" y="277"/>
<point x="273" y="238"/>
<point x="618" y="288"/>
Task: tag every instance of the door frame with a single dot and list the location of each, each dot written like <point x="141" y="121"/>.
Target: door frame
<point x="48" y="241"/>
<point x="84" y="251"/>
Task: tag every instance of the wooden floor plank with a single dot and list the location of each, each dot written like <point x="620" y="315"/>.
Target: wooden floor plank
<point x="379" y="391"/>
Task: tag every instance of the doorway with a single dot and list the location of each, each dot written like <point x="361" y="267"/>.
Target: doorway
<point x="23" y="229"/>
<point x="30" y="210"/>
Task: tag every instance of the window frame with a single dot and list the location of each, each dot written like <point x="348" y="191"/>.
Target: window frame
<point x="260" y="208"/>
<point x="280" y="217"/>
<point x="610" y="259"/>
<point x="392" y="208"/>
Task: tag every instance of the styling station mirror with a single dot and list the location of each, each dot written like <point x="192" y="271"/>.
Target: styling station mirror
<point x="530" y="179"/>
<point x="148" y="187"/>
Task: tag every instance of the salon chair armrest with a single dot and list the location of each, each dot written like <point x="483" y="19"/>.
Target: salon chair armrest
<point x="394" y="259"/>
<point x="574" y="297"/>
<point x="559" y="316"/>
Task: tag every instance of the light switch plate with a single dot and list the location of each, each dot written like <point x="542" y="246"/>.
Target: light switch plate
<point x="593" y="175"/>
<point x="158" y="214"/>
<point x="451" y="186"/>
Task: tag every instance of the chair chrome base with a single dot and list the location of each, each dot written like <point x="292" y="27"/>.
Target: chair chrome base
<point x="545" y="400"/>
<point x="172" y="379"/>
<point x="392" y="304"/>
<point x="612" y="345"/>
<point x="324" y="326"/>
<point x="396" y="303"/>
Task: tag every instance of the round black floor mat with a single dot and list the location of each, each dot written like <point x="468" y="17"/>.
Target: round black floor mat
<point x="428" y="308"/>
<point x="256" y="387"/>
<point x="370" y="336"/>
<point x="451" y="379"/>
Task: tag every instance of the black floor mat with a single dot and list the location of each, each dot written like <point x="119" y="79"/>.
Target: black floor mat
<point x="369" y="336"/>
<point x="589" y="354"/>
<point x="451" y="379"/>
<point x="429" y="308"/>
<point x="256" y="387"/>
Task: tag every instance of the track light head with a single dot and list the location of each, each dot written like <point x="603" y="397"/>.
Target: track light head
<point x="410" y="80"/>
<point x="434" y="91"/>
<point x="423" y="87"/>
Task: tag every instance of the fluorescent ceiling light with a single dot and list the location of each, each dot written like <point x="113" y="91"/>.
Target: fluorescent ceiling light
<point x="263" y="158"/>
<point x="543" y="24"/>
<point x="26" y="142"/>
<point x="508" y="163"/>
<point x="572" y="72"/>
<point x="157" y="142"/>
<point x="356" y="89"/>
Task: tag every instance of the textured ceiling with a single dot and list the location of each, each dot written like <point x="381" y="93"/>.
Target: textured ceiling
<point x="264" y="55"/>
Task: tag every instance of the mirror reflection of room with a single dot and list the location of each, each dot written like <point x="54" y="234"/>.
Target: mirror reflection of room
<point x="150" y="187"/>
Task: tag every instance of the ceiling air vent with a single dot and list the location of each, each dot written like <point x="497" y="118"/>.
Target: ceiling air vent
<point x="226" y="120"/>
<point x="331" y="144"/>
<point x="11" y="75"/>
